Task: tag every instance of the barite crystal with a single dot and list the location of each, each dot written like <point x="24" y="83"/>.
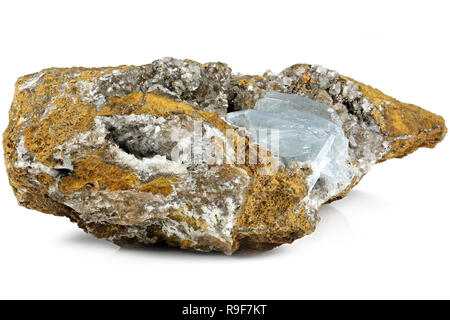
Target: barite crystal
<point x="308" y="132"/>
<point x="163" y="153"/>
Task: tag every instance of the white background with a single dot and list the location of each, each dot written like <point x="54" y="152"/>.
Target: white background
<point x="388" y="239"/>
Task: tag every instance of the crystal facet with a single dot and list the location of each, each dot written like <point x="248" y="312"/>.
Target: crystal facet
<point x="309" y="132"/>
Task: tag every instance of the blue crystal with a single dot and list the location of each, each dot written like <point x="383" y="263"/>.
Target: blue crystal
<point x="309" y="132"/>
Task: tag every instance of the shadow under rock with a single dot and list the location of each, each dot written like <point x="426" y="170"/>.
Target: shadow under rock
<point x="361" y="199"/>
<point x="332" y="220"/>
<point x="162" y="250"/>
<point x="82" y="239"/>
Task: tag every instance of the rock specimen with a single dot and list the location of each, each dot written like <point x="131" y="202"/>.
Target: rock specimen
<point x="194" y="156"/>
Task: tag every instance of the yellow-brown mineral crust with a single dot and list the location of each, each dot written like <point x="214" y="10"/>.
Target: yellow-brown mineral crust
<point x="406" y="126"/>
<point x="105" y="146"/>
